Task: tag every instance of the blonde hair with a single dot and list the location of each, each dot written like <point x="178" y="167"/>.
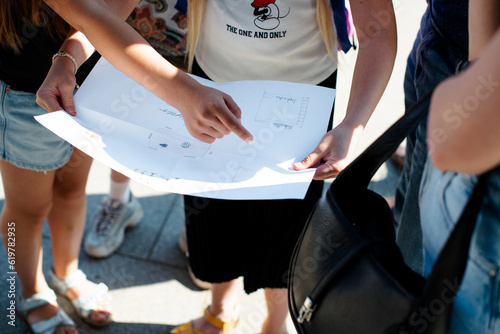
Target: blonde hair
<point x="34" y="14"/>
<point x="324" y="16"/>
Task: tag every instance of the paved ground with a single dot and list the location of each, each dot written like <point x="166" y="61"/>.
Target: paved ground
<point x="151" y="289"/>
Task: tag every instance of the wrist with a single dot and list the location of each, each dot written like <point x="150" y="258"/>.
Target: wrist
<point x="355" y="127"/>
<point x="68" y="58"/>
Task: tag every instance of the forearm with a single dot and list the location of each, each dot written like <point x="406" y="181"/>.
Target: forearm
<point x="376" y="29"/>
<point x="121" y="45"/>
<point x="374" y="63"/>
<point x="464" y="120"/>
<point x="208" y="113"/>
<point x="77" y="44"/>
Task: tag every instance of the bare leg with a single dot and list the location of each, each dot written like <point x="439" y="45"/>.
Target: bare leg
<point x="223" y="307"/>
<point x="118" y="177"/>
<point x="277" y="311"/>
<point x="67" y="217"/>
<point x="28" y="200"/>
<point x="67" y="221"/>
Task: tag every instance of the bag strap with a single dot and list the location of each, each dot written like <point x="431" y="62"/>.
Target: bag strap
<point x="449" y="268"/>
<point x="361" y="170"/>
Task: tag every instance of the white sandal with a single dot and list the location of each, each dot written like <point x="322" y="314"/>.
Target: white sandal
<point x="97" y="300"/>
<point x="49" y="326"/>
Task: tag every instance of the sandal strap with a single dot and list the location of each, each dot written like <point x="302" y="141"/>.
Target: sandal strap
<point x="61" y="285"/>
<point x="224" y="325"/>
<point x="74" y="279"/>
<point x="37" y="300"/>
<point x="98" y="299"/>
<point x="50" y="325"/>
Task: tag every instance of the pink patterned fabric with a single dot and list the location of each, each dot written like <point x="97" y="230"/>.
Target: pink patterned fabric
<point x="162" y="26"/>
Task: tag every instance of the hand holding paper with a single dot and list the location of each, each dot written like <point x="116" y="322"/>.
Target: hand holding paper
<point x="56" y="92"/>
<point x="333" y="153"/>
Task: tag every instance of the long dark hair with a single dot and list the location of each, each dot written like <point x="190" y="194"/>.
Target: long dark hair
<point x="21" y="19"/>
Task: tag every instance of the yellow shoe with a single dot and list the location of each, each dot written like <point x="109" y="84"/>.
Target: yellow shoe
<point x="226" y="327"/>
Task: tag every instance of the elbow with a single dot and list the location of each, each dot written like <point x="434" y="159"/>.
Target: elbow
<point x="449" y="156"/>
<point x="378" y="30"/>
<point x="440" y="150"/>
<point x="439" y="158"/>
<point x="380" y="48"/>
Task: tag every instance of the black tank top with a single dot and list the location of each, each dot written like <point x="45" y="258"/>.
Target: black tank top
<point x="27" y="70"/>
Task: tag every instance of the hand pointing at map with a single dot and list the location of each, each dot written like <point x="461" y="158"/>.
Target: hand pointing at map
<point x="211" y="114"/>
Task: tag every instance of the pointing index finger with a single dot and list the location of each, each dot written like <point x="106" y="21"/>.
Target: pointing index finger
<point x="240" y="131"/>
<point x="232" y="121"/>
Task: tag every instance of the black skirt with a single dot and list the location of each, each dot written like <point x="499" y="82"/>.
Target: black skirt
<point x="254" y="239"/>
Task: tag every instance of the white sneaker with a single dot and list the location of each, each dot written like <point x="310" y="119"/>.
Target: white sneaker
<point x="108" y="225"/>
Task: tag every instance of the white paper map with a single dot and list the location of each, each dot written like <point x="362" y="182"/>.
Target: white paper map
<point x="124" y="126"/>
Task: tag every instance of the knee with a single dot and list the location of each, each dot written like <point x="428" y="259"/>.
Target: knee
<point x="71" y="180"/>
<point x="28" y="211"/>
<point x="70" y="192"/>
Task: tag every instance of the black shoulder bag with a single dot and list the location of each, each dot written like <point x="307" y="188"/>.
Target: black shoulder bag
<point x="347" y="275"/>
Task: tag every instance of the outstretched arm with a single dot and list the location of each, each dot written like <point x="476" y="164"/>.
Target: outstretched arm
<point x="375" y="25"/>
<point x="208" y="113"/>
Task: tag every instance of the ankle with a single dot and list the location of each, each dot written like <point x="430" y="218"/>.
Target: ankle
<point x="62" y="273"/>
<point x="27" y="292"/>
<point x="204" y="326"/>
<point x="213" y="324"/>
<point x="75" y="283"/>
<point x="82" y="288"/>
<point x="224" y="312"/>
<point x="269" y="327"/>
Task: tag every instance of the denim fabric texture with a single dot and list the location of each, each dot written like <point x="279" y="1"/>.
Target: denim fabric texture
<point x="431" y="60"/>
<point x="23" y="141"/>
<point x="443" y="196"/>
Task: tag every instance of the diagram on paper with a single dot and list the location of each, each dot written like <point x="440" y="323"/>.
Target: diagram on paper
<point x="150" y="173"/>
<point x="169" y="141"/>
<point x="150" y="143"/>
<point x="283" y="111"/>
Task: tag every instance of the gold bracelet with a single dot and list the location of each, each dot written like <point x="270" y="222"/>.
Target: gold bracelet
<point x="65" y="54"/>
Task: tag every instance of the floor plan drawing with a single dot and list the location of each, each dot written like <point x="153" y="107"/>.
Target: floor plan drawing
<point x="282" y="110"/>
<point x="166" y="139"/>
<point x="134" y="132"/>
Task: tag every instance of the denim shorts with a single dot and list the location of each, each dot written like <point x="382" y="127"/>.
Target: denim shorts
<point x="442" y="199"/>
<point x="24" y="142"/>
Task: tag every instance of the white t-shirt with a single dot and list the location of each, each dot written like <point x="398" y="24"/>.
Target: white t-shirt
<point x="263" y="40"/>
